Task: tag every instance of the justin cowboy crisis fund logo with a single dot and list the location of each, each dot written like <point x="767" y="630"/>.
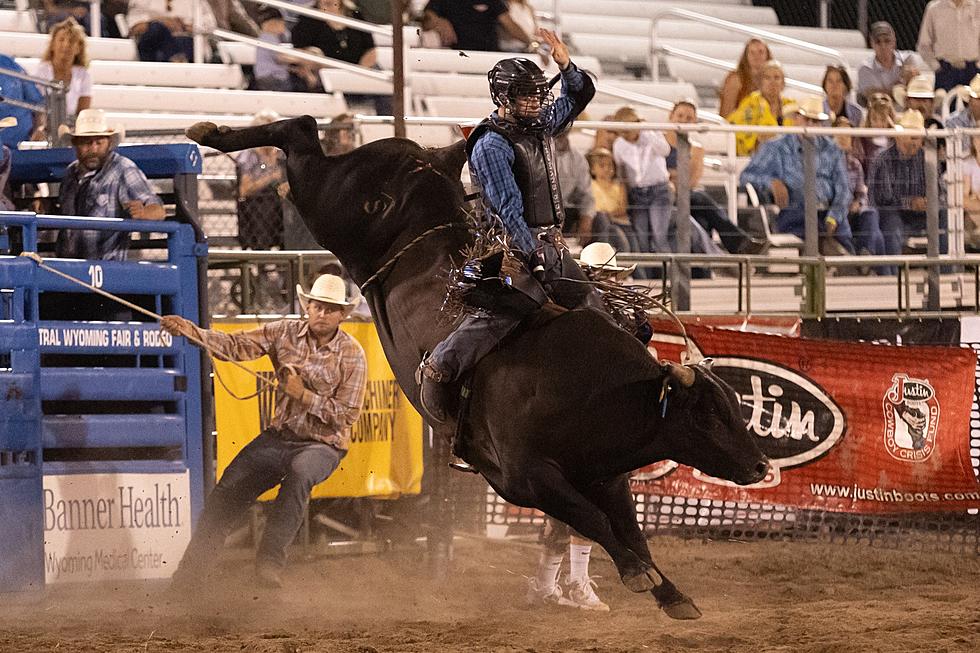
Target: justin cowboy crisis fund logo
<point x="911" y="418"/>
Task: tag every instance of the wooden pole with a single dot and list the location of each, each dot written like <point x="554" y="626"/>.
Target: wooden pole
<point x="398" y="56"/>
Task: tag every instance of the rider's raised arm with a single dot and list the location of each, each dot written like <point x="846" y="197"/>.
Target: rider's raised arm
<point x="577" y="90"/>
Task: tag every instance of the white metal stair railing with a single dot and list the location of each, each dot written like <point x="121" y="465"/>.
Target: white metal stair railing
<point x="772" y="37"/>
<point x="729" y="66"/>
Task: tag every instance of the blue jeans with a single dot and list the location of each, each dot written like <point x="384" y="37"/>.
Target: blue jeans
<point x="898" y="224"/>
<point x="265" y="462"/>
<point x="868" y="238"/>
<point x="791" y="221"/>
<point x="157" y="43"/>
<point x="649" y="211"/>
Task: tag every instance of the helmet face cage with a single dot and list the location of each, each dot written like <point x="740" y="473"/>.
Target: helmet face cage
<point x="521" y="87"/>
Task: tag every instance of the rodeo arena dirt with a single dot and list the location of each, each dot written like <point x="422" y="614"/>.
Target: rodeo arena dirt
<point x="223" y="421"/>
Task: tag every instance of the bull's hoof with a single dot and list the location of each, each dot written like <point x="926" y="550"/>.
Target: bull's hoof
<point x="199" y="131"/>
<point x="645" y="581"/>
<point x="685" y="609"/>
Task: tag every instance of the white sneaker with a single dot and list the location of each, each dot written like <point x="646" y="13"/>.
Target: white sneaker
<point x="581" y="594"/>
<point x="542" y="596"/>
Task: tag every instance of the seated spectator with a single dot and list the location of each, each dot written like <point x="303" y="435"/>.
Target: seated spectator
<point x="163" y="29"/>
<point x="863" y="219"/>
<point x="261" y="186"/>
<point x="970" y="116"/>
<point x="640" y="157"/>
<point x="746" y="77"/>
<point x="948" y="41"/>
<point x="897" y="184"/>
<point x="280" y="72"/>
<point x="971" y="196"/>
<point x="880" y="115"/>
<point x="472" y="24"/>
<point x="28" y="125"/>
<point x="837" y="85"/>
<point x="776" y="172"/>
<point x="581" y="219"/>
<point x="101" y="183"/>
<point x="231" y="15"/>
<point x="888" y="66"/>
<point x="340" y="136"/>
<point x="762" y="107"/>
<point x="705" y="210"/>
<point x="338" y="41"/>
<point x="57" y="11"/>
<point x="920" y="96"/>
<point x="66" y="61"/>
<point x="610" y="199"/>
<point x="522" y="13"/>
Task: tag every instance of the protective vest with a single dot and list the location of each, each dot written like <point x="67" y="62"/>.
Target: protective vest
<point x="535" y="172"/>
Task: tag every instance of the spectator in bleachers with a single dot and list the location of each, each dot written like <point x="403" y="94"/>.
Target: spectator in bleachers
<point x="746" y="78"/>
<point x="101" y="183"/>
<point x="231" y="15"/>
<point x="610" y="199"/>
<point x="65" y="60"/>
<point x="865" y="226"/>
<point x="472" y="24"/>
<point x="837" y="85"/>
<point x="278" y="72"/>
<point x="163" y="29"/>
<point x="641" y="159"/>
<point x="522" y="13"/>
<point x="970" y="116"/>
<point x="971" y="196"/>
<point x="880" y="115"/>
<point x="897" y="187"/>
<point x="888" y="66"/>
<point x="921" y="96"/>
<point x="776" y="172"/>
<point x="30" y="125"/>
<point x="262" y="186"/>
<point x="337" y="41"/>
<point x="949" y="41"/>
<point x="762" y="107"/>
<point x="704" y="209"/>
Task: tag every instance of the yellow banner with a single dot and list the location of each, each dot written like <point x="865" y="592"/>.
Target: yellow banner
<point x="385" y="456"/>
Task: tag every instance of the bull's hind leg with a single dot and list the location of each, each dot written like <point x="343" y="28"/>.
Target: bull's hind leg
<point x="616" y="500"/>
<point x="544" y="487"/>
<point x="293" y="136"/>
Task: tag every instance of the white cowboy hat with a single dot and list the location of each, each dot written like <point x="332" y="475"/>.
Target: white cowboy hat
<point x="812" y="108"/>
<point x="329" y="289"/>
<point x="973" y="90"/>
<point x="911" y="119"/>
<point x="921" y="86"/>
<point x="92" y="122"/>
<point x="602" y="256"/>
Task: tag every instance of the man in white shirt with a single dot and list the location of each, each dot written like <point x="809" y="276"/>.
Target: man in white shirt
<point x="888" y="67"/>
<point x="949" y="40"/>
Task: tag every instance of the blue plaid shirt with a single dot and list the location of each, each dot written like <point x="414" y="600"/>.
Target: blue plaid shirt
<point x="895" y="180"/>
<point x="492" y="161"/>
<point x="782" y="159"/>
<point x="101" y="194"/>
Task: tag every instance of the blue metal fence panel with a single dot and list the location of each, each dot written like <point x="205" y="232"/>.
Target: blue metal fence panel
<point x="155" y="161"/>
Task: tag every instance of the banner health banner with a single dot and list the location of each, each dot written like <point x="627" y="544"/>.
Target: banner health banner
<point x="849" y="427"/>
<point x="385" y="456"/>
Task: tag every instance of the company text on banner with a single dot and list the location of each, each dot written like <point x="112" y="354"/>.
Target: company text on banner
<point x="849" y="427"/>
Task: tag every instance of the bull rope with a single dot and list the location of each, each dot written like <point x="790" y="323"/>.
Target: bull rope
<point x="394" y="259"/>
<point x="214" y="354"/>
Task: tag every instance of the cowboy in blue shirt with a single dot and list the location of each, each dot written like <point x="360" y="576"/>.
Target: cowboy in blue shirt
<point x="511" y="156"/>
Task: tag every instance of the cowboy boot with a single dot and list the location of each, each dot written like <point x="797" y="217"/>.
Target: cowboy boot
<point x="435" y="392"/>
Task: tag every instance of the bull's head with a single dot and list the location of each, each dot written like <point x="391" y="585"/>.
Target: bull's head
<point x="706" y="427"/>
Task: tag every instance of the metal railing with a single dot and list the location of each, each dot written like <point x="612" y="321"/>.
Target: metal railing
<point x="55" y="103"/>
<point x="721" y="64"/>
<point x="772" y="37"/>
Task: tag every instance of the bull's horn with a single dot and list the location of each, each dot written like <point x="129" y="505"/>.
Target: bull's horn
<point x="683" y="374"/>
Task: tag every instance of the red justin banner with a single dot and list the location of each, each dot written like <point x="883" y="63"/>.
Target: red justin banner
<point x="849" y="427"/>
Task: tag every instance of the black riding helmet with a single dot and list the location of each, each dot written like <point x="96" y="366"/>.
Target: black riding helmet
<point x="512" y="79"/>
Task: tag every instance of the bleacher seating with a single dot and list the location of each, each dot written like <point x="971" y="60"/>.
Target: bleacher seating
<point x="734" y="10"/>
<point x="20" y="44"/>
<point x="187" y="75"/>
<point x="202" y="100"/>
<point x="17" y="21"/>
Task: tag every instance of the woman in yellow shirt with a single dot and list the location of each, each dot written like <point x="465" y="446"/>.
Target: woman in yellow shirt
<point x="762" y="107"/>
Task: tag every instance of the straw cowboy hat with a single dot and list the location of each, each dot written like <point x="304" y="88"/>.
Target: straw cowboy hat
<point x="329" y="289"/>
<point x="812" y="108"/>
<point x="911" y="119"/>
<point x="92" y="122"/>
<point x="601" y="256"/>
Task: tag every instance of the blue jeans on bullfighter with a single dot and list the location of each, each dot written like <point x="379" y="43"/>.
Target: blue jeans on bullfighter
<point x="265" y="462"/>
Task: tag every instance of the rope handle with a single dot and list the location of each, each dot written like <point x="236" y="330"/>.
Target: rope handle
<point x="139" y="309"/>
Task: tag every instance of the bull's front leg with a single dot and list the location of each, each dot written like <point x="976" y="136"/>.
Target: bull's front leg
<point x="292" y="136"/>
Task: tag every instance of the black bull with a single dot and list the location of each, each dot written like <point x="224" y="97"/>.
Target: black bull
<point x="562" y="413"/>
